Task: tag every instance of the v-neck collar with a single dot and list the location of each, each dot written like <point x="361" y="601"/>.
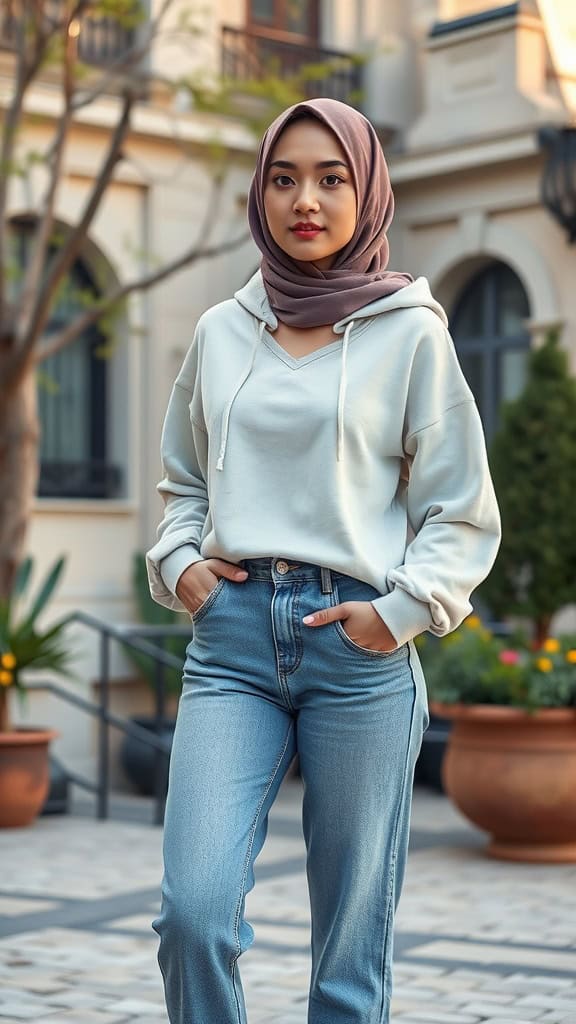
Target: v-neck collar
<point x="292" y="361"/>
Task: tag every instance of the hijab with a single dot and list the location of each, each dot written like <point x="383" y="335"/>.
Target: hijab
<point x="300" y="294"/>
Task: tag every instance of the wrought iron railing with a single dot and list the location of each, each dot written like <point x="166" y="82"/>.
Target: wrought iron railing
<point x="101" y="40"/>
<point x="138" y="638"/>
<point x="84" y="478"/>
<point x="247" y="55"/>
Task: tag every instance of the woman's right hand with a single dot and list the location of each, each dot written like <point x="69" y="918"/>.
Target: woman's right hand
<point x="198" y="580"/>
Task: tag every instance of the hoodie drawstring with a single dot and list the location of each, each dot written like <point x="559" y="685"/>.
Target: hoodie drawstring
<point x="342" y="392"/>
<point x="243" y="378"/>
<point x="248" y="371"/>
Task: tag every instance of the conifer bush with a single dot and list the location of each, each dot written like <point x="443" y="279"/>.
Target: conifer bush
<point x="533" y="465"/>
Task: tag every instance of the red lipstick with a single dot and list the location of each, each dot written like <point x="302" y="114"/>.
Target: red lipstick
<point x="306" y="230"/>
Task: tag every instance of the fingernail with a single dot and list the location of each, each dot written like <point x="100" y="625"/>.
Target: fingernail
<point x="239" y="575"/>
<point x="308" y="619"/>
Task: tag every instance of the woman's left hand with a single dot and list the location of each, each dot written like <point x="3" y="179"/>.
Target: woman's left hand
<point x="363" y="624"/>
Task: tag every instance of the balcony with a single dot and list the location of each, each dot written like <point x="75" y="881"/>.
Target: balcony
<point x="250" y="56"/>
<point x="101" y="40"/>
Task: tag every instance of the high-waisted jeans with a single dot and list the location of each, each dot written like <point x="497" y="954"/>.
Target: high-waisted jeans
<point x="258" y="686"/>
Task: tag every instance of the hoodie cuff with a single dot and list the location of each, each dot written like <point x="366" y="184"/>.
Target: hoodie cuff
<point x="404" y="615"/>
<point x="172" y="567"/>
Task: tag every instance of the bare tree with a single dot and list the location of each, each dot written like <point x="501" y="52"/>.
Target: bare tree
<point x="43" y="36"/>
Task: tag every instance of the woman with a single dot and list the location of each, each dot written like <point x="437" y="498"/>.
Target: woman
<point x="327" y="499"/>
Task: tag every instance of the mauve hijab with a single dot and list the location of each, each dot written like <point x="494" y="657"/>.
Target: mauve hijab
<point x="299" y="293"/>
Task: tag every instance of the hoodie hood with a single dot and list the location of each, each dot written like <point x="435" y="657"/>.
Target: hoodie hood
<point x="252" y="296"/>
<point x="254" y="299"/>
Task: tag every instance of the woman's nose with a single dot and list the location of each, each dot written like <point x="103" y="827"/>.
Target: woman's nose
<point x="306" y="200"/>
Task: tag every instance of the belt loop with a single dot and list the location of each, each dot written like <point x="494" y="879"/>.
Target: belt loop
<point x="326" y="578"/>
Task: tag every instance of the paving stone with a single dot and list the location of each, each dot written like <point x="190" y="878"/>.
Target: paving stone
<point x="20" y="1009"/>
<point x="85" y="1017"/>
<point x="516" y="1013"/>
<point x="548" y="1002"/>
<point x="458" y="907"/>
<point x="438" y="1017"/>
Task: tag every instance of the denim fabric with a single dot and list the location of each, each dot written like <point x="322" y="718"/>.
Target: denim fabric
<point x="258" y="686"/>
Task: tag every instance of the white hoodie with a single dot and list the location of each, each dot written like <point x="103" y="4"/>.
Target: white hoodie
<point x="305" y="459"/>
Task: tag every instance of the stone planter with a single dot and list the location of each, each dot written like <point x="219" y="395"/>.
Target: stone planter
<point x="24" y="775"/>
<point x="513" y="773"/>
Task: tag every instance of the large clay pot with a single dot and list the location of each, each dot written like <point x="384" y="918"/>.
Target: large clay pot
<point x="24" y="775"/>
<point x="513" y="773"/>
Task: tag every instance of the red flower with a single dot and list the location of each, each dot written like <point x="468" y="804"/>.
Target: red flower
<point x="509" y="657"/>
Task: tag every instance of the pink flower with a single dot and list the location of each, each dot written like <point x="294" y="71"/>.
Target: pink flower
<point x="509" y="657"/>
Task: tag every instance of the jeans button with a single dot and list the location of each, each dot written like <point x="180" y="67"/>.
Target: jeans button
<point x="282" y="567"/>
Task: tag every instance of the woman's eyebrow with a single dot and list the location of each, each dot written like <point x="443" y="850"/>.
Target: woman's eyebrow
<point x="323" y="163"/>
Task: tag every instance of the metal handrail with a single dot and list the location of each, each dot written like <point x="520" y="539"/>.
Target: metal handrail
<point x="132" y="636"/>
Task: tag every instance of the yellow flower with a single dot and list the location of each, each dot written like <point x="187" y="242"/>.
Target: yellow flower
<point x="472" y="622"/>
<point x="7" y="660"/>
<point x="5" y="677"/>
<point x="551" y="645"/>
<point x="571" y="655"/>
<point x="544" y="664"/>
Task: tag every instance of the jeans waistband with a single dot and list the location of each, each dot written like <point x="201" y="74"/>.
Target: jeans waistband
<point x="287" y="569"/>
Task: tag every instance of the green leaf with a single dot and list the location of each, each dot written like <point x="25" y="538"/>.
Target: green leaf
<point x="44" y="593"/>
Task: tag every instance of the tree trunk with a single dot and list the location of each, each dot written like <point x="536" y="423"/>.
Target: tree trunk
<point x="19" y="436"/>
<point x="4" y="712"/>
<point x="542" y="630"/>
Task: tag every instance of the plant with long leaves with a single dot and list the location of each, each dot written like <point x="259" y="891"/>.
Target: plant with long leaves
<point x="22" y="643"/>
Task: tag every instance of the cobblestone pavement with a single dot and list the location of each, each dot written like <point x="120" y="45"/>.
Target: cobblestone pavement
<point x="477" y="941"/>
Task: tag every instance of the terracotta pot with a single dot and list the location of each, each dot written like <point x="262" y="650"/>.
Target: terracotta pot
<point x="24" y="775"/>
<point x="513" y="773"/>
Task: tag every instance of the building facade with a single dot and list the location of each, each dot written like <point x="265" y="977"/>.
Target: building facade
<point x="458" y="91"/>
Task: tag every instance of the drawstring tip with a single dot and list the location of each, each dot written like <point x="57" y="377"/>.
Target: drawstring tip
<point x="220" y="463"/>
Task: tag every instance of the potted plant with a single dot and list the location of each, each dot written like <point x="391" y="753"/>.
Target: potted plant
<point x="510" y="764"/>
<point x="24" y="765"/>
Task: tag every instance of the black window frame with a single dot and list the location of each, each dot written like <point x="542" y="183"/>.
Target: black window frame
<point x="489" y="342"/>
<point x="95" y="477"/>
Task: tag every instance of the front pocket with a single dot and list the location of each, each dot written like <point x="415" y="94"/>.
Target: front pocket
<point x="363" y="650"/>
<point x="208" y="601"/>
<point x="347" y="588"/>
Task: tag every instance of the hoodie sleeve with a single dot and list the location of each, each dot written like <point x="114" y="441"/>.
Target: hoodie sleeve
<point x="183" y="449"/>
<point x="450" y="498"/>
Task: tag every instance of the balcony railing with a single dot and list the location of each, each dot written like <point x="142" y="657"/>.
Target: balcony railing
<point x="81" y="479"/>
<point x="101" y="39"/>
<point x="246" y="55"/>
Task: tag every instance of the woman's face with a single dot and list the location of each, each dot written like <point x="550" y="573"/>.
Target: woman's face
<point x="308" y="181"/>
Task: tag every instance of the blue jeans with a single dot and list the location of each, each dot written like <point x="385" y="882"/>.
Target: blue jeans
<point x="258" y="686"/>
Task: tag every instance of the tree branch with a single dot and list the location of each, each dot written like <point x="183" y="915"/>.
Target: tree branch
<point x="28" y="60"/>
<point x="125" y="62"/>
<point x="84" y="320"/>
<point x="7" y="144"/>
<point x="73" y="244"/>
<point x="45" y="223"/>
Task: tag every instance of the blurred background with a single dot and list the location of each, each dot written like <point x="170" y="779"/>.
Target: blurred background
<point x="129" y="136"/>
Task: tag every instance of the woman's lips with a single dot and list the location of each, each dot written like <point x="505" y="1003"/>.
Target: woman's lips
<point x="306" y="233"/>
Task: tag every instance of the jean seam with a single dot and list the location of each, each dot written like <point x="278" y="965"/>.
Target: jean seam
<point x="296" y="628"/>
<point x="209" y="601"/>
<point x="247" y="863"/>
<point x="389" y="924"/>
<point x="280" y="674"/>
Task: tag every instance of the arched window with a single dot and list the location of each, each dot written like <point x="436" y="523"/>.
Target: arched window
<point x="73" y="392"/>
<point x="492" y="342"/>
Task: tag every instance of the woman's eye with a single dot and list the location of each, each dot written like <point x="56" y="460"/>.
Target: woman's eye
<point x="335" y="177"/>
<point x="277" y="179"/>
<point x="283" y="180"/>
